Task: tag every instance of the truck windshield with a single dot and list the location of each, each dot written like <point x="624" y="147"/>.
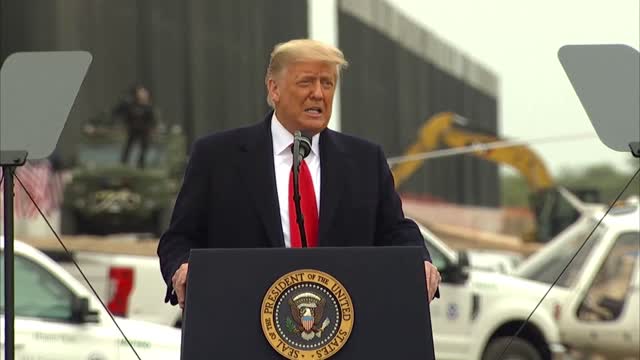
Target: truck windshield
<point x="549" y="267"/>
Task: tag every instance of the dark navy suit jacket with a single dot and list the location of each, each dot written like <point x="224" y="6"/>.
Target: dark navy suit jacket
<point x="228" y="197"/>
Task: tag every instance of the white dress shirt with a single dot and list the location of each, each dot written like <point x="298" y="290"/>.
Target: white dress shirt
<point x="282" y="162"/>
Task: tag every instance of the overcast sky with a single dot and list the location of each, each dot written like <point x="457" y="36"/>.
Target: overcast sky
<point x="518" y="41"/>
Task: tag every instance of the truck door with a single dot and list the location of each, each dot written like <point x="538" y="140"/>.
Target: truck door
<point x="606" y="319"/>
<point x="43" y="326"/>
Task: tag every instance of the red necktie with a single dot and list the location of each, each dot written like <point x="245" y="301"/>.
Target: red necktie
<point x="309" y="209"/>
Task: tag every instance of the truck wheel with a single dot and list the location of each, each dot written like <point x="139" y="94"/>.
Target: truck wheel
<point x="518" y="350"/>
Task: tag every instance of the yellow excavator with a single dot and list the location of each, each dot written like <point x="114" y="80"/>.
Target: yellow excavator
<point x="446" y="130"/>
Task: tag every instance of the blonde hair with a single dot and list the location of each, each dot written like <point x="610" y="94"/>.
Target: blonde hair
<point x="292" y="51"/>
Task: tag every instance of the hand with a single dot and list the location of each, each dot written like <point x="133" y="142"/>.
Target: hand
<point x="179" y="282"/>
<point x="433" y="279"/>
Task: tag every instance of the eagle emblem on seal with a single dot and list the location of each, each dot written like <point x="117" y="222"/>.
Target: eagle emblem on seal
<point x="306" y="310"/>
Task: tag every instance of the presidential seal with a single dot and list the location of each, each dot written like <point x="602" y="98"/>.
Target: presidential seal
<point x="307" y="314"/>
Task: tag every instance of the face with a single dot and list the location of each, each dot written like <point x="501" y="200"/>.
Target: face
<point x="303" y="95"/>
<point x="142" y="96"/>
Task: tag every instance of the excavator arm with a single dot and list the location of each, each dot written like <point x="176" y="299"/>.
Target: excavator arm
<point x="440" y="131"/>
<point x="519" y="157"/>
<point x="428" y="140"/>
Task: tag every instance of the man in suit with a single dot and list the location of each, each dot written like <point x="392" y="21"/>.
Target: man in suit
<point x="237" y="190"/>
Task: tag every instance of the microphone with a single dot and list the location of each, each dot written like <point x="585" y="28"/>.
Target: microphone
<point x="303" y="141"/>
<point x="301" y="148"/>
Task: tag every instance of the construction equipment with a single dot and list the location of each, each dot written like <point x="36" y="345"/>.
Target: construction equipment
<point x="552" y="210"/>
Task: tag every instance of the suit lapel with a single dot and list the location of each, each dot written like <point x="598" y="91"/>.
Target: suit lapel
<point x="258" y="171"/>
<point x="332" y="169"/>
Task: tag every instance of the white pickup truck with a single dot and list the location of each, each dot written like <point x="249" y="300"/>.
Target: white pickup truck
<point x="479" y="310"/>
<point x="601" y="310"/>
<point x="130" y="285"/>
<point x="57" y="318"/>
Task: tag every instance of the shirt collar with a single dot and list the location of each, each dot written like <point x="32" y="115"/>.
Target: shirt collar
<point x="282" y="138"/>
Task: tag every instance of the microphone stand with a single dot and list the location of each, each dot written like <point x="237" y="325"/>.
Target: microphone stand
<point x="296" y="190"/>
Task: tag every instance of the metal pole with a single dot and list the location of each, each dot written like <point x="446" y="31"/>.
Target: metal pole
<point x="8" y="263"/>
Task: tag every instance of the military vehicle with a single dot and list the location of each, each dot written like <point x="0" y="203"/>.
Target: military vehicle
<point x="106" y="196"/>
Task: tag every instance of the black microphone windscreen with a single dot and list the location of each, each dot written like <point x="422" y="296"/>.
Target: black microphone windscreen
<point x="304" y="143"/>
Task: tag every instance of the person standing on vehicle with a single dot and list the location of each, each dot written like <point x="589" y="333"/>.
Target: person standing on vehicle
<point x="139" y="120"/>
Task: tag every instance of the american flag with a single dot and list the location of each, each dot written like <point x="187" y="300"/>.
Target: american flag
<point x="44" y="185"/>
